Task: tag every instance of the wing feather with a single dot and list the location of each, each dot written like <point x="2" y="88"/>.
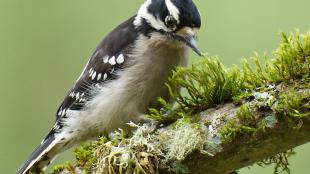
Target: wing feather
<point x="109" y="57"/>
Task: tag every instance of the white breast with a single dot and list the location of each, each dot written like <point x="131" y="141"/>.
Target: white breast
<point x="135" y="90"/>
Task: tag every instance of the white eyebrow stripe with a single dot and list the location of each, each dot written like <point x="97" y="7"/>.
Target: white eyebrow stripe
<point x="141" y="13"/>
<point x="174" y="11"/>
<point x="152" y="20"/>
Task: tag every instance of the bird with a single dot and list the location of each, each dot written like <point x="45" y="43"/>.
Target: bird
<point x="125" y="75"/>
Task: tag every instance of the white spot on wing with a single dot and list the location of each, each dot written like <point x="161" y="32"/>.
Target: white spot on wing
<point x="91" y="72"/>
<point x="77" y="96"/>
<point x="94" y="75"/>
<point x="60" y="112"/>
<point x="72" y="94"/>
<point x="99" y="76"/>
<point x="105" y="59"/>
<point x="120" y="59"/>
<point x="105" y="76"/>
<point x="63" y="112"/>
<point x="112" y="60"/>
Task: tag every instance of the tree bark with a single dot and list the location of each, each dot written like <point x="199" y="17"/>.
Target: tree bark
<point x="246" y="149"/>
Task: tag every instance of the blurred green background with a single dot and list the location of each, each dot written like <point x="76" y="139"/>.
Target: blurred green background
<point x="45" y="44"/>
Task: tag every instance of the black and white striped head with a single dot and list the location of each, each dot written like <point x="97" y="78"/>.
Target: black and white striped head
<point x="174" y="19"/>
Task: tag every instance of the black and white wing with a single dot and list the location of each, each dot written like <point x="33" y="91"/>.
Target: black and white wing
<point x="109" y="57"/>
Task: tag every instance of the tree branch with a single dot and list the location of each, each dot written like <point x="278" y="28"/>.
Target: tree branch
<point x="245" y="150"/>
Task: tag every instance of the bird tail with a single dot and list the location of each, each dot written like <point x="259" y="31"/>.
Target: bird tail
<point x="42" y="155"/>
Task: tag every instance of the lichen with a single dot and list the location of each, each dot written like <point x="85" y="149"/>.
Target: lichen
<point x="269" y="121"/>
<point x="135" y="154"/>
<point x="214" y="139"/>
<point x="186" y="138"/>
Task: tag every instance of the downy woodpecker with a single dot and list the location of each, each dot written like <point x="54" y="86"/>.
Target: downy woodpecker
<point x="123" y="78"/>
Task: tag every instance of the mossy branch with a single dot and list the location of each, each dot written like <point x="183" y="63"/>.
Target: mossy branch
<point x="225" y="119"/>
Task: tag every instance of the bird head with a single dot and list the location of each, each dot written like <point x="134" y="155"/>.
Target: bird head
<point x="177" y="20"/>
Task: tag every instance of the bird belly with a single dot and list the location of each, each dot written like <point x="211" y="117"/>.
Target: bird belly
<point x="126" y="98"/>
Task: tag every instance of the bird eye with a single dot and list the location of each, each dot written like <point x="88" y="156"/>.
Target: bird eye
<point x="170" y="22"/>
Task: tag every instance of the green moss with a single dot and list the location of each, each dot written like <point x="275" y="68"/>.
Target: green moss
<point x="207" y="83"/>
<point x="295" y="104"/>
<point x="85" y="159"/>
<point x="84" y="156"/>
<point x="64" y="167"/>
<point x="229" y="131"/>
<point x="253" y="77"/>
<point x="246" y="125"/>
<point x="168" y="114"/>
<point x="294" y="107"/>
<point x="222" y="85"/>
<point x="291" y="61"/>
<point x="240" y="98"/>
<point x="233" y="129"/>
<point x="246" y="116"/>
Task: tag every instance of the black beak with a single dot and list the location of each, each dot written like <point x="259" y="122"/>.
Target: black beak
<point x="189" y="40"/>
<point x="192" y="43"/>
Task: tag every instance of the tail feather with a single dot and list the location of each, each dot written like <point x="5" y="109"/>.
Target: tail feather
<point x="42" y="156"/>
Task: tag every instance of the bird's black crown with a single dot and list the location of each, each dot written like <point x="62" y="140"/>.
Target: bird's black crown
<point x="169" y="15"/>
